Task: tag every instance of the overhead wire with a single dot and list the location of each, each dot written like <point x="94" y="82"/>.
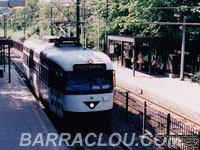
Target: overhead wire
<point x="146" y="8"/>
<point x="141" y="8"/>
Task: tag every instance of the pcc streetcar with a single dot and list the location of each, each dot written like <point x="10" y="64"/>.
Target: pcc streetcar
<point x="69" y="78"/>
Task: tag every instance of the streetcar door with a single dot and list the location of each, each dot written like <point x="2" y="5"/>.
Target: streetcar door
<point x="31" y="65"/>
<point x="59" y="103"/>
<point x="56" y="94"/>
<point x="52" y="104"/>
<point x="52" y="82"/>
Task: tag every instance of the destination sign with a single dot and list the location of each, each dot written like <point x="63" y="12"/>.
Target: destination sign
<point x="84" y="67"/>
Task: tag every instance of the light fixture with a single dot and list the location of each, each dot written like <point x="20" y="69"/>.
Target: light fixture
<point x="4" y="11"/>
<point x="13" y="3"/>
<point x="16" y="3"/>
<point x="91" y="104"/>
<point x="177" y="15"/>
<point x="3" y="3"/>
<point x="181" y="28"/>
<point x="90" y="61"/>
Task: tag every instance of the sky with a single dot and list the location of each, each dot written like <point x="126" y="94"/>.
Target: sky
<point x="46" y="0"/>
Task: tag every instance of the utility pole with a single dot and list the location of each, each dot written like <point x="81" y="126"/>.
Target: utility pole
<point x="4" y="17"/>
<point x="77" y="21"/>
<point x="183" y="50"/>
<point x="24" y="24"/>
<point x="51" y="20"/>
<point x="98" y="33"/>
<point x="106" y="32"/>
<point x="69" y="29"/>
<point x="84" y="12"/>
<point x="82" y="35"/>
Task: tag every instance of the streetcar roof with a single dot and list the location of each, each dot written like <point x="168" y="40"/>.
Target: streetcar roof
<point x="67" y="56"/>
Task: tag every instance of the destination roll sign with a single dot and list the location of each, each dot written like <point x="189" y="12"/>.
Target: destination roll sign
<point x="84" y="67"/>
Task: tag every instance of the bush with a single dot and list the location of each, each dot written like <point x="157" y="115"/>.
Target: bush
<point x="22" y="39"/>
<point x="196" y="77"/>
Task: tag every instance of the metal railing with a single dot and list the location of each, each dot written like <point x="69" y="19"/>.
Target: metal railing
<point x="155" y="119"/>
<point x="18" y="45"/>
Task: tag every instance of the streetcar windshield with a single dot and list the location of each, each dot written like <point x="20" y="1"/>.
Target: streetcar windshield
<point x="89" y="81"/>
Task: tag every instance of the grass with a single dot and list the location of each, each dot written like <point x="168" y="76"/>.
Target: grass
<point x="18" y="35"/>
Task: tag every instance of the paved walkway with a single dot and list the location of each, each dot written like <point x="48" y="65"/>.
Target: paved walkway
<point x="20" y="113"/>
<point x="182" y="97"/>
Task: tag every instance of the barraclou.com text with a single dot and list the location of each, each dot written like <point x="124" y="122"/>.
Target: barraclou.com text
<point x="53" y="139"/>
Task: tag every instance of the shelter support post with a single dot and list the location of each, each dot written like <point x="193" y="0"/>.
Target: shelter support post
<point x="4" y="58"/>
<point x="9" y="70"/>
<point x="149" y="58"/>
<point x="133" y="59"/>
<point x="122" y="55"/>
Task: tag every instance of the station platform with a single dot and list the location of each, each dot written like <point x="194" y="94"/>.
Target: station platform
<point x="21" y="113"/>
<point x="181" y="97"/>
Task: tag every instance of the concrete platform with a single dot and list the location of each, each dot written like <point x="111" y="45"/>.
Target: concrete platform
<point x="182" y="97"/>
<point x="21" y="113"/>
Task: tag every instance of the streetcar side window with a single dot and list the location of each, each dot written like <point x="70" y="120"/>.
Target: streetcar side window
<point x="31" y="63"/>
<point x="25" y="59"/>
<point x="44" y="73"/>
<point x="37" y="66"/>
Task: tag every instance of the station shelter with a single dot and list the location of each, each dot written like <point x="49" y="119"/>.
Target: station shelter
<point x="129" y="50"/>
<point x="5" y="44"/>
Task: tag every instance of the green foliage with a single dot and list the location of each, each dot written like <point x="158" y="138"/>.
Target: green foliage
<point x="142" y="11"/>
<point x="37" y="15"/>
<point x="22" y="39"/>
<point x="196" y="77"/>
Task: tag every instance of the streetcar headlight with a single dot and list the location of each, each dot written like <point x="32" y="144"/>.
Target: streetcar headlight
<point x="91" y="105"/>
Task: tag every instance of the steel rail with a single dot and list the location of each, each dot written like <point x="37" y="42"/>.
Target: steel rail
<point x="152" y="119"/>
<point x="150" y="101"/>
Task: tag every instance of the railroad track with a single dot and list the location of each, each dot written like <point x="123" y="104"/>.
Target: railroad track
<point x="137" y="102"/>
<point x="158" y="116"/>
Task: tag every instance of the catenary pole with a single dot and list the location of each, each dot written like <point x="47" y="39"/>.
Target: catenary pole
<point x="183" y="51"/>
<point x="77" y="21"/>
